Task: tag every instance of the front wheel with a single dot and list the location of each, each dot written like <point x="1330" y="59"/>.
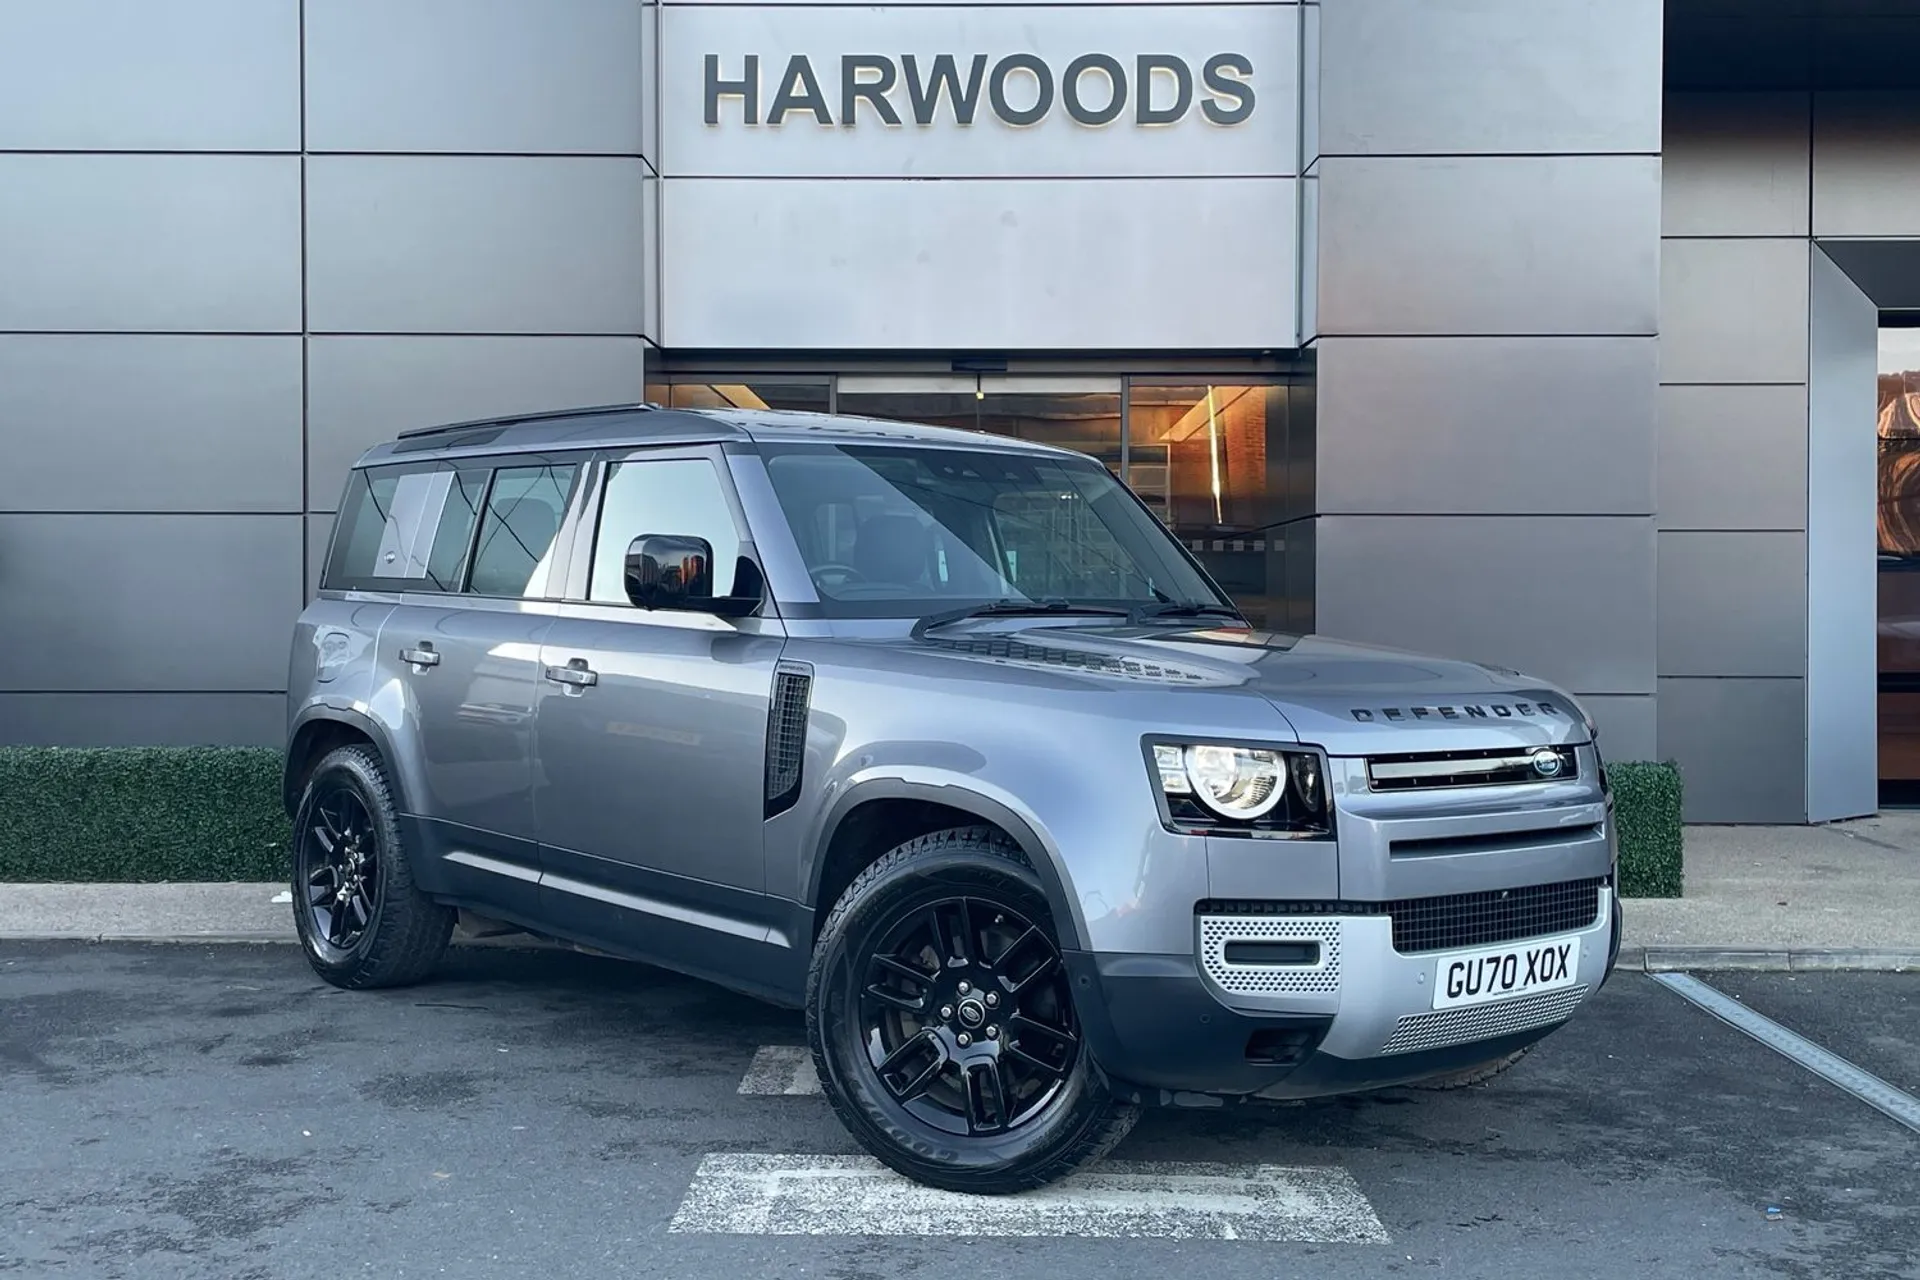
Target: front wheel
<point x="942" y="1023"/>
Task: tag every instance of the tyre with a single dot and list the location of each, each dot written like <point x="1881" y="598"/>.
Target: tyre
<point x="361" y="921"/>
<point x="942" y="1023"/>
<point x="1474" y="1075"/>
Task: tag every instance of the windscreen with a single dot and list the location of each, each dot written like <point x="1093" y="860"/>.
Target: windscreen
<point x="904" y="530"/>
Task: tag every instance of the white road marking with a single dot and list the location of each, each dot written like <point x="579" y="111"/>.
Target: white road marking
<point x="1864" y="1085"/>
<point x="783" y="1069"/>
<point x="854" y="1195"/>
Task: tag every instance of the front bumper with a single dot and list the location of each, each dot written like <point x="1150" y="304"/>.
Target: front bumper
<point x="1167" y="1031"/>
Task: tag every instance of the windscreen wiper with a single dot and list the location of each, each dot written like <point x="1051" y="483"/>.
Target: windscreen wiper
<point x="1186" y="609"/>
<point x="1030" y="608"/>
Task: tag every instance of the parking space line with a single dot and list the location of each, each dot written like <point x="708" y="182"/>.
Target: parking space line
<point x="781" y="1069"/>
<point x="739" y="1194"/>
<point x="1864" y="1085"/>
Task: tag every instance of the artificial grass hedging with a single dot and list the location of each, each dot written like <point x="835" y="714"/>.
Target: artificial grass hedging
<point x="1646" y="808"/>
<point x="138" y="814"/>
<point x="142" y="814"/>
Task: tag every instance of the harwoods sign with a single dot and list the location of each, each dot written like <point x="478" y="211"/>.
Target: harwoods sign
<point x="1093" y="89"/>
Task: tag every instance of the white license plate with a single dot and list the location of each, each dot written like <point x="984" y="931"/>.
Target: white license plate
<point x="1475" y="977"/>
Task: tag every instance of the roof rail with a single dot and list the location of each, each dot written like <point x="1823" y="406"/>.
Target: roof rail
<point x="512" y="419"/>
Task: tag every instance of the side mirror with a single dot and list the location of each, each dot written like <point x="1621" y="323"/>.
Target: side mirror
<point x="666" y="571"/>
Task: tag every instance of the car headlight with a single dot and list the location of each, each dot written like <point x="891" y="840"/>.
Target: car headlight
<point x="1255" y="790"/>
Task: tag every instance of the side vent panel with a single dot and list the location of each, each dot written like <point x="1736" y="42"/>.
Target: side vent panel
<point x="787" y="734"/>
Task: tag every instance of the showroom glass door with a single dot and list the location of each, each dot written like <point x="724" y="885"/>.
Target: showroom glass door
<point x="1074" y="413"/>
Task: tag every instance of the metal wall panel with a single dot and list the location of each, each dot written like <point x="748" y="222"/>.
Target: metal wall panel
<point x="1489" y="246"/>
<point x="143" y="719"/>
<point x="1629" y="724"/>
<point x="864" y="143"/>
<point x="170" y="603"/>
<point x="1733" y="457"/>
<point x="186" y="75"/>
<point x="1741" y="747"/>
<point x="364" y="390"/>
<point x="1491" y="76"/>
<point x="1733" y="604"/>
<point x="442" y="244"/>
<point x="1706" y="336"/>
<point x="1003" y="265"/>
<point x="1843" y="585"/>
<point x="1567" y="599"/>
<point x="97" y="422"/>
<point x="319" y="531"/>
<point x="475" y="76"/>
<point x="1520" y="426"/>
<point x="1735" y="164"/>
<point x="136" y="242"/>
<point x="1865" y="182"/>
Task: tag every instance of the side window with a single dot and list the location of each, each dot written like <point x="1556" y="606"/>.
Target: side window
<point x="676" y="496"/>
<point x="405" y="528"/>
<point x="517" y="530"/>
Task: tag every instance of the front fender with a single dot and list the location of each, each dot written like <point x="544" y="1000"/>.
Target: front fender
<point x="969" y="794"/>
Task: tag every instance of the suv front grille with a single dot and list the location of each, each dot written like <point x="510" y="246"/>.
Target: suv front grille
<point x="1503" y="767"/>
<point x="1457" y="920"/>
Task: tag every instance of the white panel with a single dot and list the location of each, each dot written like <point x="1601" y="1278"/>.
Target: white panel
<point x="977" y="39"/>
<point x="1842" y="586"/>
<point x="987" y="264"/>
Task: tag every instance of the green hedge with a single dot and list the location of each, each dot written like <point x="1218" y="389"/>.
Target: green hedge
<point x="142" y="814"/>
<point x="1646" y="806"/>
<point x="213" y="813"/>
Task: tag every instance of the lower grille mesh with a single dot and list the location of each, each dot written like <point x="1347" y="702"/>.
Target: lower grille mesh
<point x="1445" y="1027"/>
<point x="1457" y="920"/>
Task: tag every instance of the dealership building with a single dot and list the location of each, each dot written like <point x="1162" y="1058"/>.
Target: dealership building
<point x="1567" y="335"/>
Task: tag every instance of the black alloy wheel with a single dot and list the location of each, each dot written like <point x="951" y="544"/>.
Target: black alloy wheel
<point x="361" y="920"/>
<point x="942" y="1021"/>
<point x="967" y="1017"/>
<point x="340" y="870"/>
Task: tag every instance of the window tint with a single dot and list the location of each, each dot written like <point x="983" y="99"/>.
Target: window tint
<point x="676" y="496"/>
<point x="447" y="561"/>
<point x="517" y="532"/>
<point x="390" y="530"/>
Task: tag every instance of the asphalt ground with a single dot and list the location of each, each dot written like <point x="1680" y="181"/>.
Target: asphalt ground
<point x="214" y="1110"/>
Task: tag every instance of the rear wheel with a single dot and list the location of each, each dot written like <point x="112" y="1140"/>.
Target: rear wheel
<point x="942" y="1021"/>
<point x="1474" y="1075"/>
<point x="361" y="921"/>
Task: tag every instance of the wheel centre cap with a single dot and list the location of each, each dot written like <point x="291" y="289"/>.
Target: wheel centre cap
<point x="972" y="1012"/>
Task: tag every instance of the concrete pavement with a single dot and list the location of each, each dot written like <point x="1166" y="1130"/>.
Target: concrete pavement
<point x="1839" y="896"/>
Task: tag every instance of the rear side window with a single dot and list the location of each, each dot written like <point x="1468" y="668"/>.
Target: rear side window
<point x="411" y="527"/>
<point x="517" y="533"/>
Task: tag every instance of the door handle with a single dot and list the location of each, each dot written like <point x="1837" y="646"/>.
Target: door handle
<point x="422" y="657"/>
<point x="575" y="673"/>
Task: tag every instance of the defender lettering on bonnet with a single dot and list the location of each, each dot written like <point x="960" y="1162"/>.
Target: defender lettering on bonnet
<point x="1487" y="711"/>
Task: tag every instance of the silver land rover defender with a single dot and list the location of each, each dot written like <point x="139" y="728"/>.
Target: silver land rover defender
<point x="943" y="738"/>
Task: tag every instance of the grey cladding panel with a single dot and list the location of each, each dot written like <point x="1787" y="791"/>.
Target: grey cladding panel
<point x="183" y="75"/>
<point x="1523" y="426"/>
<point x="1476" y="76"/>
<point x="168" y="243"/>
<point x="123" y="602"/>
<point x="443" y="244"/>
<point x="1708" y="336"/>
<point x="143" y="719"/>
<point x="1735" y="164"/>
<point x="1629" y="725"/>
<point x="1865" y="182"/>
<point x="366" y="390"/>
<point x="1510" y="245"/>
<point x="1733" y="457"/>
<point x="1567" y="599"/>
<point x="93" y="422"/>
<point x="1733" y="604"/>
<point x="1740" y="745"/>
<point x="475" y="75"/>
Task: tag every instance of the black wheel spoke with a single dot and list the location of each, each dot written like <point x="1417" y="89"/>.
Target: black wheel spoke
<point x="335" y="863"/>
<point x="1000" y="961"/>
<point x="1040" y="972"/>
<point x="986" y="1098"/>
<point x="910" y="1004"/>
<point x="925" y="1040"/>
<point x="1027" y="1029"/>
<point x="952" y="928"/>
<point x="901" y="969"/>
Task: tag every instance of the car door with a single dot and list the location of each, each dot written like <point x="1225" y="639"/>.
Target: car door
<point x="650" y="735"/>
<point x="462" y="652"/>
